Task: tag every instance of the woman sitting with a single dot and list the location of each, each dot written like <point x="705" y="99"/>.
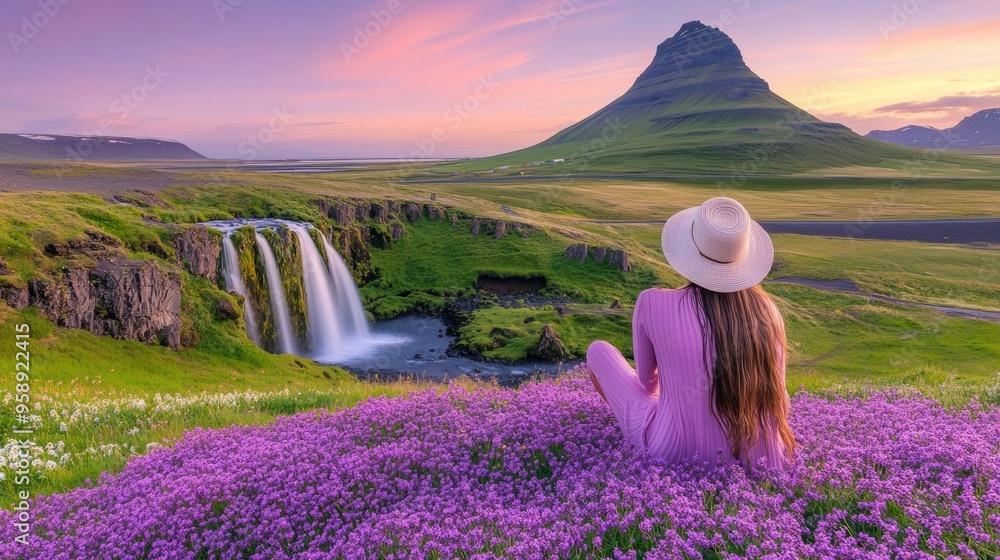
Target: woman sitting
<point x="709" y="377"/>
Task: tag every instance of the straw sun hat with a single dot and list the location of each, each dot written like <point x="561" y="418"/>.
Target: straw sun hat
<point x="717" y="246"/>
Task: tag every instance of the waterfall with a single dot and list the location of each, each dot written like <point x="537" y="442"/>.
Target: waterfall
<point x="279" y="305"/>
<point x="234" y="283"/>
<point x="350" y="310"/>
<point x="337" y="324"/>
<point x="324" y="328"/>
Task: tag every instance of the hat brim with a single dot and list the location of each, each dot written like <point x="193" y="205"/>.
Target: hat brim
<point x="683" y="255"/>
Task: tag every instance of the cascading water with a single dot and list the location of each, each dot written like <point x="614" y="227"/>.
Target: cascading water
<point x="234" y="283"/>
<point x="331" y="317"/>
<point x="338" y="327"/>
<point x="279" y="305"/>
<point x="324" y="329"/>
<point x="351" y="310"/>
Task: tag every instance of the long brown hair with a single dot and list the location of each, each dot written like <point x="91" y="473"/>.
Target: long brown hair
<point x="747" y="385"/>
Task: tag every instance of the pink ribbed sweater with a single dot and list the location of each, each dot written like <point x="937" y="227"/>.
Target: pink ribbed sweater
<point x="664" y="405"/>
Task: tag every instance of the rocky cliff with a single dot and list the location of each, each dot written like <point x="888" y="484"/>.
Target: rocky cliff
<point x="617" y="258"/>
<point x="133" y="300"/>
<point x="197" y="248"/>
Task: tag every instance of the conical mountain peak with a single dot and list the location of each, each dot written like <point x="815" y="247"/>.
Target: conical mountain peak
<point x="693" y="47"/>
<point x="698" y="107"/>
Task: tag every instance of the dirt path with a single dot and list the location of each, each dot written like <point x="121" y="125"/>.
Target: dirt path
<point x="848" y="287"/>
<point x="927" y="231"/>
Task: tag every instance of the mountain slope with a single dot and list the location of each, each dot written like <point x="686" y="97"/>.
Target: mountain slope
<point x="36" y="147"/>
<point x="979" y="130"/>
<point x="698" y="107"/>
<point x="913" y="136"/>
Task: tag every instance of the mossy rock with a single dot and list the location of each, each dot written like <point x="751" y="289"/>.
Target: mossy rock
<point x="288" y="254"/>
<point x="255" y="278"/>
<point x="317" y="237"/>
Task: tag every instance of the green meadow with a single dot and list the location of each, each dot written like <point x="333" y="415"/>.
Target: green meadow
<point x="838" y="343"/>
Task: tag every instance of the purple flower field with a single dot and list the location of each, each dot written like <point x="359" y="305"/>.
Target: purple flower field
<point x="539" y="472"/>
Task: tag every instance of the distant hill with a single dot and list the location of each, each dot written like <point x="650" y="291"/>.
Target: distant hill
<point x="698" y="107"/>
<point x="980" y="130"/>
<point x="38" y="147"/>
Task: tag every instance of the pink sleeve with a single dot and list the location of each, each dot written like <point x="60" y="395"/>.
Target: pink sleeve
<point x="645" y="358"/>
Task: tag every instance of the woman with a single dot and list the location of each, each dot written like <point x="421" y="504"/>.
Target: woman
<point x="709" y="377"/>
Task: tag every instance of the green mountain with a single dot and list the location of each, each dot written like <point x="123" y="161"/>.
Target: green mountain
<point x="699" y="108"/>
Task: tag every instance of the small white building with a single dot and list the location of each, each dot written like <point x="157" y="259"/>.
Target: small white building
<point x="559" y="160"/>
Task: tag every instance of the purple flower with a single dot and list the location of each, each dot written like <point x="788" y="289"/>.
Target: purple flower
<point x="539" y="472"/>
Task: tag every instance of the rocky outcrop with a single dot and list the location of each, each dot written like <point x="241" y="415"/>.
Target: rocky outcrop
<point x="550" y="348"/>
<point x="499" y="229"/>
<point x="496" y="228"/>
<point x="347" y="213"/>
<point x="198" y="250"/>
<point x="617" y="258"/>
<point x="599" y="254"/>
<point x="380" y="213"/>
<point x="324" y="207"/>
<point x="343" y="214"/>
<point x="226" y="310"/>
<point x="363" y="211"/>
<point x="412" y="212"/>
<point x="576" y="252"/>
<point x="352" y="247"/>
<point x="379" y="236"/>
<point x="131" y="300"/>
<point x="15" y="296"/>
<point x="435" y="212"/>
<point x="398" y="231"/>
<point x="94" y="244"/>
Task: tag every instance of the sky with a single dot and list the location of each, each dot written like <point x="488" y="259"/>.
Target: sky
<point x="262" y="79"/>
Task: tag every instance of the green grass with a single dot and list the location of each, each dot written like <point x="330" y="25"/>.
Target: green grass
<point x="222" y="361"/>
<point x="499" y="333"/>
<point x="30" y="224"/>
<point x="203" y="202"/>
<point x="224" y="381"/>
<point x="923" y="272"/>
<point x="435" y="260"/>
<point x="837" y="340"/>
